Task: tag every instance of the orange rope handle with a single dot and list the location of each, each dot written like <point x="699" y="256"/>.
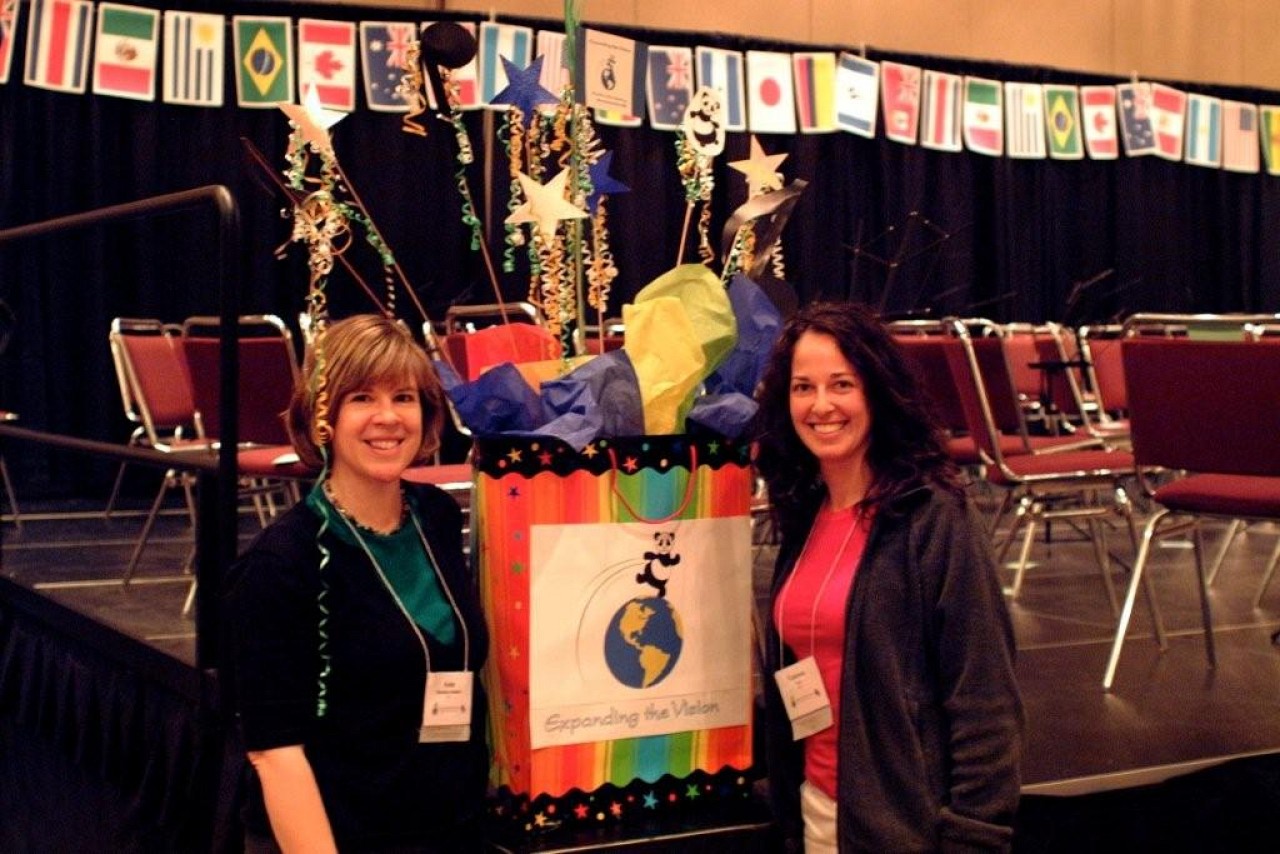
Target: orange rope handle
<point x="684" y="502"/>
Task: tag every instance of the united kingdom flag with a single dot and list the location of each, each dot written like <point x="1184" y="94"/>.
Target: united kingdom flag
<point x="9" y="10"/>
<point x="679" y="70"/>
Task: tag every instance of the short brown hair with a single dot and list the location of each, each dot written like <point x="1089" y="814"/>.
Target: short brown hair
<point x="351" y="354"/>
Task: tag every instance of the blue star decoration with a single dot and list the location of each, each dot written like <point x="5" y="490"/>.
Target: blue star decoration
<point x="650" y="802"/>
<point x="523" y="89"/>
<point x="602" y="183"/>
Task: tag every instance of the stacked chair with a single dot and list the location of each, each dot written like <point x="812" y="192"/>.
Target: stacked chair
<point x="1075" y="479"/>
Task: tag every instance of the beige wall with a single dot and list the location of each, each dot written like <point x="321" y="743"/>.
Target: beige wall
<point x="1213" y="41"/>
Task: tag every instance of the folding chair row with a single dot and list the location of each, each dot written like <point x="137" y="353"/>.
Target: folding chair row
<point x="927" y="342"/>
<point x="164" y="377"/>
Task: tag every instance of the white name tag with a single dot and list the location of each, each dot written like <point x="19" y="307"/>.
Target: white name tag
<point x="446" y="707"/>
<point x="805" y="697"/>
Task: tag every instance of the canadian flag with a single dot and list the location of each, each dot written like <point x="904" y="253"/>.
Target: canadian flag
<point x="327" y="62"/>
<point x="1098" y="103"/>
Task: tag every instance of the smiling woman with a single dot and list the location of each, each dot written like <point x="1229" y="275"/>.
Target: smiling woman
<point x="890" y="645"/>
<point x="356" y="632"/>
<point x="830" y="415"/>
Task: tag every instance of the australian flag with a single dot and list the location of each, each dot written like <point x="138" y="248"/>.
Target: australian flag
<point x="384" y="50"/>
<point x="670" y="85"/>
<point x="1135" y="118"/>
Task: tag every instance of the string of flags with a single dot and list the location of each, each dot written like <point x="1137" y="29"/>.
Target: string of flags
<point x="118" y="50"/>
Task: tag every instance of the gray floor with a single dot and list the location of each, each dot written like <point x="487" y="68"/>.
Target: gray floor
<point x="1168" y="712"/>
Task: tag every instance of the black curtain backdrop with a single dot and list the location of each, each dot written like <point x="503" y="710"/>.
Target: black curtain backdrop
<point x="939" y="232"/>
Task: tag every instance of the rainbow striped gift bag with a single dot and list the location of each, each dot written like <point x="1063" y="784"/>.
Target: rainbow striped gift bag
<point x="617" y="586"/>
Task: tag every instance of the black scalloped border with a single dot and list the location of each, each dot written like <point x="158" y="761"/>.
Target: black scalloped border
<point x="499" y="456"/>
<point x="699" y="798"/>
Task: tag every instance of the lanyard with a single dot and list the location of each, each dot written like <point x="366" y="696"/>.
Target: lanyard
<point x="444" y="585"/>
<point x="786" y="587"/>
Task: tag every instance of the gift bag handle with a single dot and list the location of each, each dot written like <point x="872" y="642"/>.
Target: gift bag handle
<point x="684" y="502"/>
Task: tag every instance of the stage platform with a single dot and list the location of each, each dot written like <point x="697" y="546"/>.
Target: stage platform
<point x="1177" y="756"/>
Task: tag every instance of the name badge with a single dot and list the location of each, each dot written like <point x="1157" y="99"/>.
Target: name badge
<point x="805" y="697"/>
<point x="446" y="707"/>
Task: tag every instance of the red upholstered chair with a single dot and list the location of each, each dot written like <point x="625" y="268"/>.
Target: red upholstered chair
<point x="1104" y="372"/>
<point x="1207" y="410"/>
<point x="925" y="344"/>
<point x="155" y="388"/>
<point x="1067" y="387"/>
<point x="265" y="460"/>
<point x="1267" y="333"/>
<point x="1025" y="345"/>
<point x="156" y="382"/>
<point x="1073" y="483"/>
<point x="610" y="335"/>
<point x="1202" y="327"/>
<point x="268" y="371"/>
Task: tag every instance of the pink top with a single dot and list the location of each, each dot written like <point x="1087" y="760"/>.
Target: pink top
<point x="810" y="615"/>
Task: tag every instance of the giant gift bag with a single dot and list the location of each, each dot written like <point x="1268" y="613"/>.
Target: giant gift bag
<point x="617" y="586"/>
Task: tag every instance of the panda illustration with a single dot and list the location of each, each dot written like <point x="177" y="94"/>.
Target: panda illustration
<point x="704" y="122"/>
<point x="663" y="542"/>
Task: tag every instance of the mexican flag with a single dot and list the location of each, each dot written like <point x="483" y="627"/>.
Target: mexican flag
<point x="983" y="116"/>
<point x="125" y="60"/>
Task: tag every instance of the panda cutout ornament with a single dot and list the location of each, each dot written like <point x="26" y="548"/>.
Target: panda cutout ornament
<point x="703" y="123"/>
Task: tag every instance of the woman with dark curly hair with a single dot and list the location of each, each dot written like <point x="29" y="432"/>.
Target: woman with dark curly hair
<point x="894" y="721"/>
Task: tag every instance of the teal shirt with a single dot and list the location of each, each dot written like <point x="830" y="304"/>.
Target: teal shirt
<point x="405" y="563"/>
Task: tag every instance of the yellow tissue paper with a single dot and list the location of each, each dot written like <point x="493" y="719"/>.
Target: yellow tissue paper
<point x="668" y="359"/>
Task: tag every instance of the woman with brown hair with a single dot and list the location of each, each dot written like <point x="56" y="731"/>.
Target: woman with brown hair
<point x="357" y="634"/>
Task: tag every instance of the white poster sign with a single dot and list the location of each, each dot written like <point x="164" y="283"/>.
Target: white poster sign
<point x="639" y="629"/>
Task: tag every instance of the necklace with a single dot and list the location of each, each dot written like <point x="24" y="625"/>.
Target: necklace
<point x="350" y="517"/>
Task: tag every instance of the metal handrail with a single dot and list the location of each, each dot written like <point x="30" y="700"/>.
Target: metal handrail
<point x="215" y="543"/>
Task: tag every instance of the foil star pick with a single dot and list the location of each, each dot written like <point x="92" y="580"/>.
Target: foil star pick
<point x="523" y="88"/>
<point x="545" y="204"/>
<point x="761" y="170"/>
<point x="313" y="120"/>
<point x="602" y="183"/>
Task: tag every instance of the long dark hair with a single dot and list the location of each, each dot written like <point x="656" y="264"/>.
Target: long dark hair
<point x="905" y="448"/>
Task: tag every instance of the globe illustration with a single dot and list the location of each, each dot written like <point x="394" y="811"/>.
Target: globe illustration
<point x="643" y="642"/>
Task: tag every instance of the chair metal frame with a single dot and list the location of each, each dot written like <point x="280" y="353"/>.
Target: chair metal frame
<point x="488" y="319"/>
<point x="1039" y="484"/>
<point x="469" y="318"/>
<point x="15" y="512"/>
<point x="1190" y="415"/>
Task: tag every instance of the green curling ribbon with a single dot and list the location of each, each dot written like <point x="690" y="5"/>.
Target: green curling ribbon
<point x="469" y="217"/>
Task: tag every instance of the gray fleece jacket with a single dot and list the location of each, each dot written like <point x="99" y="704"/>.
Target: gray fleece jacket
<point x="930" y="726"/>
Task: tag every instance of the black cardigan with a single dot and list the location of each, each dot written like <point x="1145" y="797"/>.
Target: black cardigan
<point x="930" y="726"/>
<point x="379" y="785"/>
